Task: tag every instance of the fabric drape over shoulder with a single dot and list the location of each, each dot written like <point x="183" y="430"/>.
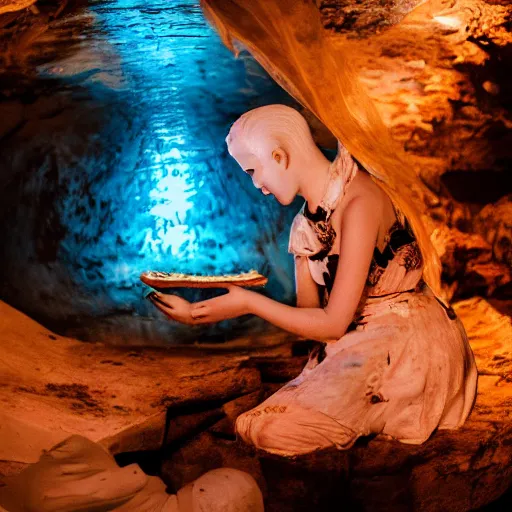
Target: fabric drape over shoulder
<point x="289" y="41"/>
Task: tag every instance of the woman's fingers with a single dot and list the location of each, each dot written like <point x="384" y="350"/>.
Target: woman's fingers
<point x="163" y="306"/>
<point x="174" y="314"/>
<point x="168" y="300"/>
<point x="180" y="310"/>
<point x="171" y="301"/>
<point x="199" y="310"/>
<point x="160" y="305"/>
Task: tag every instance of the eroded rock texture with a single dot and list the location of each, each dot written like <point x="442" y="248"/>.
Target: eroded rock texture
<point x="494" y="223"/>
<point x="14" y="5"/>
<point x="364" y="17"/>
<point x="439" y="72"/>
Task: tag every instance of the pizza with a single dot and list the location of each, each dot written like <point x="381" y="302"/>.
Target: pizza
<point x="175" y="280"/>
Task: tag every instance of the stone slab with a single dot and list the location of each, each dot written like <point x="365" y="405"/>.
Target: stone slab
<point x="52" y="387"/>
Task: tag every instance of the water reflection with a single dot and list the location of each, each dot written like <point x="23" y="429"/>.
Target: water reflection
<point x="120" y="166"/>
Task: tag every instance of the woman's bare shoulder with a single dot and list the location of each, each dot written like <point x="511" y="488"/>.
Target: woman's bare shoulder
<point x="364" y="190"/>
<point x="367" y="190"/>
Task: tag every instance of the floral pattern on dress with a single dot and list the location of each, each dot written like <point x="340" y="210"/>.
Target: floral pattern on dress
<point x="401" y="246"/>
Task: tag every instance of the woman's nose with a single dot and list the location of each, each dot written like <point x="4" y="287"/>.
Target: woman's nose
<point x="256" y="182"/>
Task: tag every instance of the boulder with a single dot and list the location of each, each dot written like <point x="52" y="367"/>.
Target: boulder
<point x="494" y="224"/>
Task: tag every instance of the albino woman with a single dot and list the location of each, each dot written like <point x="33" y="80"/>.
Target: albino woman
<point x="395" y="359"/>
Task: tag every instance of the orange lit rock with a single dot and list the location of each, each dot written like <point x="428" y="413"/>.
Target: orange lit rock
<point x="364" y="16"/>
<point x="437" y="74"/>
<point x="468" y="264"/>
<point x="15" y="5"/>
<point x="454" y="470"/>
<point x="494" y="223"/>
<point x="52" y="387"/>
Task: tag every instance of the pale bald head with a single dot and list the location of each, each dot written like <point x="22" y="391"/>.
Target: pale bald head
<point x="264" y="129"/>
<point x="274" y="145"/>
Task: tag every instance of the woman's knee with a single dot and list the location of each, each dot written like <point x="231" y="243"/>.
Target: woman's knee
<point x="258" y="425"/>
<point x="292" y="430"/>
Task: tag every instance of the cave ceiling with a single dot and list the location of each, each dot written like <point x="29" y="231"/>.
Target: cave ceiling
<point x="438" y="70"/>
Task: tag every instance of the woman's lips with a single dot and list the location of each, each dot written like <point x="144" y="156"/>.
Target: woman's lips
<point x="265" y="191"/>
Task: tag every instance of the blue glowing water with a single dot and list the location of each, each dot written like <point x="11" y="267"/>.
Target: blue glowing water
<point x="120" y="166"/>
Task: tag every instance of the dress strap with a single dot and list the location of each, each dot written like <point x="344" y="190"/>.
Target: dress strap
<point x="312" y="233"/>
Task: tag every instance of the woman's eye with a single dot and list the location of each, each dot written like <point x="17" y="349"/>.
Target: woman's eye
<point x="250" y="172"/>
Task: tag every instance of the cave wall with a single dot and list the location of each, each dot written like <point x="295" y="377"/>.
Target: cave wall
<point x="112" y="132"/>
<point x="112" y="120"/>
<point x="440" y="74"/>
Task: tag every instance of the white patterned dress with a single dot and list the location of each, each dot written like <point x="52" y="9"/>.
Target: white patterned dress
<point x="404" y="367"/>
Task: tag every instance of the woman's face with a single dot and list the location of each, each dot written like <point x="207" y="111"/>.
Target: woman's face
<point x="270" y="175"/>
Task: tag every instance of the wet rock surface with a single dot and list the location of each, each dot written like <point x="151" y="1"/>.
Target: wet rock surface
<point x="112" y="124"/>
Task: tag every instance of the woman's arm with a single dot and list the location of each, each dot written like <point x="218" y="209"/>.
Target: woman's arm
<point x="358" y="237"/>
<point x="306" y="288"/>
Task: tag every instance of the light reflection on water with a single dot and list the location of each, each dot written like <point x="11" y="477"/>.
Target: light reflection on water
<point x="133" y="173"/>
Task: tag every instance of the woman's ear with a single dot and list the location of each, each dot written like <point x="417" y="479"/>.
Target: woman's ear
<point x="281" y="157"/>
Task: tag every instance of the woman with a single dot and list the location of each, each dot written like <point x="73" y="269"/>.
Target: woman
<point x="396" y="360"/>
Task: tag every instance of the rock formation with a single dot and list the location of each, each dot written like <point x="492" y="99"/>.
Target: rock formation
<point x="439" y="73"/>
<point x="173" y="412"/>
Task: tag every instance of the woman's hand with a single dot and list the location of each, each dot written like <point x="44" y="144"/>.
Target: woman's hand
<point x="232" y="304"/>
<point x="174" y="307"/>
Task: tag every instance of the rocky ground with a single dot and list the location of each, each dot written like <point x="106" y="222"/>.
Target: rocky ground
<point x="173" y="412"/>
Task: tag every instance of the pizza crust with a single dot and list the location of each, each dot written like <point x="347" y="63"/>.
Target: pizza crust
<point x="176" y="280"/>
